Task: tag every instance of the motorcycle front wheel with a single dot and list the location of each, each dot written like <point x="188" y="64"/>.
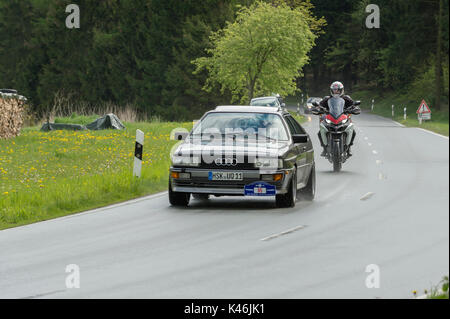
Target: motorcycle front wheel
<point x="337" y="162"/>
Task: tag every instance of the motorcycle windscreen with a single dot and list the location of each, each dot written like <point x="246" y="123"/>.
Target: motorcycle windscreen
<point x="336" y="106"/>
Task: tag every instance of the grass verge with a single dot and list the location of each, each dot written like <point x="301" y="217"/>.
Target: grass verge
<point x="439" y="122"/>
<point x="44" y="175"/>
<point x="48" y="175"/>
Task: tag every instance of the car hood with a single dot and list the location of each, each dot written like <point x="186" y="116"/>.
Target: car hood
<point x="274" y="149"/>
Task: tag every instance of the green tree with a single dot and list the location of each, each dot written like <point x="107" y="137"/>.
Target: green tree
<point x="263" y="51"/>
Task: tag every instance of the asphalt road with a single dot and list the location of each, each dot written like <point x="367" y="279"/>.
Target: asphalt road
<point x="389" y="206"/>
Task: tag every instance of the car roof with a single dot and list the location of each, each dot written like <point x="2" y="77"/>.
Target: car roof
<point x="248" y="109"/>
<point x="264" y="97"/>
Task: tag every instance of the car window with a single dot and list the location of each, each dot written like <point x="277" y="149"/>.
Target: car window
<point x="297" y="126"/>
<point x="229" y="122"/>
<point x="294" y="126"/>
<point x="265" y="102"/>
<point x="290" y="125"/>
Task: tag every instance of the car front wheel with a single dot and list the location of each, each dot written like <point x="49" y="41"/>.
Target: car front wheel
<point x="178" y="198"/>
<point x="288" y="199"/>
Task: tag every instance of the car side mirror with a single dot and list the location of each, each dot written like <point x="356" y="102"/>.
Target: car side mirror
<point x="300" y="138"/>
<point x="283" y="105"/>
<point x="180" y="136"/>
<point x="357" y="103"/>
<point x="316" y="111"/>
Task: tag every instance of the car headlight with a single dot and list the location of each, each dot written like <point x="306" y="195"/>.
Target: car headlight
<point x="185" y="160"/>
<point x="269" y="163"/>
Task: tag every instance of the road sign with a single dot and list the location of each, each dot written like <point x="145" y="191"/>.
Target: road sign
<point x="423" y="108"/>
<point x="423" y="112"/>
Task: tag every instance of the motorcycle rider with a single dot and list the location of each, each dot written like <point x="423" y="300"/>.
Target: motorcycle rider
<point x="337" y="90"/>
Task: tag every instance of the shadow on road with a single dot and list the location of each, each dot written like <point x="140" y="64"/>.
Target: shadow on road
<point x="241" y="204"/>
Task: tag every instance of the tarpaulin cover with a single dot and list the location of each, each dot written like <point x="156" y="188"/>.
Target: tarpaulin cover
<point x="47" y="127"/>
<point x="109" y="121"/>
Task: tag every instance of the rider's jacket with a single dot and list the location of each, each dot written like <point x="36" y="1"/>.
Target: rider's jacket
<point x="348" y="102"/>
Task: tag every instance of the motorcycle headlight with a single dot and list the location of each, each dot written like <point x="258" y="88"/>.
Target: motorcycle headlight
<point x="344" y="121"/>
<point x="328" y="121"/>
<point x="185" y="160"/>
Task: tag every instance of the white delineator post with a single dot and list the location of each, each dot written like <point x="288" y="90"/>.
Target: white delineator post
<point x="138" y="150"/>
<point x="373" y="101"/>
<point x="392" y="110"/>
<point x="298" y="108"/>
<point x="404" y="113"/>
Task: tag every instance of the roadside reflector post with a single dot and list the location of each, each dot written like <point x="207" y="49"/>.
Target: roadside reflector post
<point x="298" y="108"/>
<point x="404" y="114"/>
<point x="373" y="101"/>
<point x="393" y="110"/>
<point x="420" y="118"/>
<point x="138" y="150"/>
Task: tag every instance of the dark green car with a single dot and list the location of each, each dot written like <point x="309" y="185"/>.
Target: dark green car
<point x="243" y="151"/>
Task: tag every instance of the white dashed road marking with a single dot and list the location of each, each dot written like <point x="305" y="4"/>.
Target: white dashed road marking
<point x="283" y="233"/>
<point x="367" y="196"/>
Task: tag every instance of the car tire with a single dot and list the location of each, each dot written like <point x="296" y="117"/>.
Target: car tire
<point x="288" y="199"/>
<point x="178" y="198"/>
<point x="309" y="192"/>
<point x="201" y="196"/>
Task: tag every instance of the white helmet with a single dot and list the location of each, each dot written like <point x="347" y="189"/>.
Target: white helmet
<point x="337" y="89"/>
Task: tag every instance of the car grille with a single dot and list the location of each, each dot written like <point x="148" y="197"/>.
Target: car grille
<point x="239" y="166"/>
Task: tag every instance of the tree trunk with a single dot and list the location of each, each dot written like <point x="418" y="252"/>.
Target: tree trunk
<point x="438" y="63"/>
<point x="251" y="89"/>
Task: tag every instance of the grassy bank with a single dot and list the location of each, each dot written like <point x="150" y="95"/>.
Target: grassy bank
<point x="44" y="175"/>
<point x="383" y="106"/>
<point x="47" y="175"/>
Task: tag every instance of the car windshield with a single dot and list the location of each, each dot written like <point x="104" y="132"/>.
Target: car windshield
<point x="336" y="106"/>
<point x="313" y="99"/>
<point x="244" y="124"/>
<point x="270" y="101"/>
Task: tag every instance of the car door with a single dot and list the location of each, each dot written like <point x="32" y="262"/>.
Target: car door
<point x="304" y="151"/>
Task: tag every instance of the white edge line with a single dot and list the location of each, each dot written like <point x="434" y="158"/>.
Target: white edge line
<point x="95" y="210"/>
<point x="399" y="124"/>
<point x="431" y="132"/>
